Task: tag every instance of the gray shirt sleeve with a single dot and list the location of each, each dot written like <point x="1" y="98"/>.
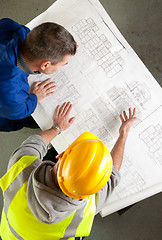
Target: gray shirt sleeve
<point x="106" y="191"/>
<point x="33" y="146"/>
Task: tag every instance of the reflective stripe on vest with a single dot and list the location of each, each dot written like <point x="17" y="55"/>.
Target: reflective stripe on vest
<point x="18" y="222"/>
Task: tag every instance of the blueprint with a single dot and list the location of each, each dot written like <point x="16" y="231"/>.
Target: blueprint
<point x="104" y="78"/>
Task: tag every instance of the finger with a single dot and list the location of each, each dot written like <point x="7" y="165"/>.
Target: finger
<point x="134" y="112"/>
<point x="49" y="85"/>
<point x="37" y="83"/>
<point x="72" y="120"/>
<point x="67" y="109"/>
<point x="48" y="80"/>
<point x="51" y="89"/>
<point x="49" y="94"/>
<point x="125" y="115"/>
<point x="57" y="110"/>
<point x="62" y="108"/>
<point x="130" y="112"/>
<point x="121" y="117"/>
<point x="43" y="84"/>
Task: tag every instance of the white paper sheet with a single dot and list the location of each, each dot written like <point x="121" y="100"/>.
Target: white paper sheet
<point x="104" y="78"/>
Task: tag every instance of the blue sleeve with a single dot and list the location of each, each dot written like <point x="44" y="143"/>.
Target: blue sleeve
<point x="20" y="108"/>
<point x="8" y="27"/>
<point x="16" y="102"/>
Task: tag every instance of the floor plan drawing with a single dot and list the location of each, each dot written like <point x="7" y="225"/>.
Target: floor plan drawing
<point x="140" y="92"/>
<point x="131" y="180"/>
<point x="99" y="46"/>
<point x="89" y="122"/>
<point x="61" y="79"/>
<point x="152" y="137"/>
<point x="104" y="78"/>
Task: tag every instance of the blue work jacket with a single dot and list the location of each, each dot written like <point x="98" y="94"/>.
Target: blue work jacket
<point x="15" y="100"/>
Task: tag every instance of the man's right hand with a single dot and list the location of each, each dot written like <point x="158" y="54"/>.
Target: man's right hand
<point x="43" y="89"/>
<point x="118" y="149"/>
<point x="61" y="119"/>
<point x="62" y="116"/>
<point x="127" y="121"/>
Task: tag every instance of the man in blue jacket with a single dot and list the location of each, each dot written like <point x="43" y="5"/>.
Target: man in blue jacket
<point x="22" y="52"/>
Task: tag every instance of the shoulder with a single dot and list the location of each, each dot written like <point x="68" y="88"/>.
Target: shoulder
<point x="8" y="29"/>
<point x="7" y="24"/>
<point x="32" y="146"/>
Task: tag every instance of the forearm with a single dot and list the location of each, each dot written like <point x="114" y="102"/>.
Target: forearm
<point x="118" y="151"/>
<point x="49" y="134"/>
<point x="107" y="190"/>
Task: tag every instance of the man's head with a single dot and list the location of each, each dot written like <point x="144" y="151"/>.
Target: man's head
<point x="48" y="47"/>
<point x="84" y="168"/>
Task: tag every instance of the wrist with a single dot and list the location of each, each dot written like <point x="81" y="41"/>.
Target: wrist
<point x="123" y="134"/>
<point x="57" y="127"/>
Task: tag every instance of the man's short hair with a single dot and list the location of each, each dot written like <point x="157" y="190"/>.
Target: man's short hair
<point x="49" y="41"/>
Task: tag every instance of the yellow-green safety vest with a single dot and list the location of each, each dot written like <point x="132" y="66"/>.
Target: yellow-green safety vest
<point x="18" y="222"/>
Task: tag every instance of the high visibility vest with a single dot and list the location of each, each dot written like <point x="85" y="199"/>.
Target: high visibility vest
<point x="18" y="222"/>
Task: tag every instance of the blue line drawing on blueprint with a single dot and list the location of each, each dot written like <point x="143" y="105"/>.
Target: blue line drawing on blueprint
<point x="131" y="181"/>
<point x="98" y="46"/>
<point x="152" y="137"/>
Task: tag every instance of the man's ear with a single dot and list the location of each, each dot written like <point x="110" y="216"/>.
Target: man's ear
<point x="44" y="65"/>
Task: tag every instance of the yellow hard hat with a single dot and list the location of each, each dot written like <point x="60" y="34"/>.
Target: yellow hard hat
<point x="85" y="167"/>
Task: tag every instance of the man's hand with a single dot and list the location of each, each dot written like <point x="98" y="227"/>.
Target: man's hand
<point x="127" y="122"/>
<point x="43" y="89"/>
<point x="118" y="149"/>
<point x="61" y="119"/>
<point x="62" y="116"/>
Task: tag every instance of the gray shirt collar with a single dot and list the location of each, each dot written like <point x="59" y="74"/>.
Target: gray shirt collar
<point x="22" y="64"/>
